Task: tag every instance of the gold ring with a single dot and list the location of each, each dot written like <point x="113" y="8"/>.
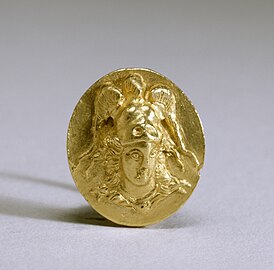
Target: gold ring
<point x="135" y="146"/>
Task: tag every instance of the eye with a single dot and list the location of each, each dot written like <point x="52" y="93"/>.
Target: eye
<point x="153" y="152"/>
<point x="135" y="155"/>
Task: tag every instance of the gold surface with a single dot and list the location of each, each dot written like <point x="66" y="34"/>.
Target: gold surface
<point x="135" y="146"/>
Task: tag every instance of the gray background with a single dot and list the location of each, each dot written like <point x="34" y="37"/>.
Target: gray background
<point x="221" y="53"/>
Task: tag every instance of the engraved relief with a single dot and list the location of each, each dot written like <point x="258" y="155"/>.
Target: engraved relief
<point x="138" y="155"/>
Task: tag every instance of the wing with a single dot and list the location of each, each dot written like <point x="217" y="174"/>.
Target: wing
<point x="106" y="105"/>
<point x="165" y="99"/>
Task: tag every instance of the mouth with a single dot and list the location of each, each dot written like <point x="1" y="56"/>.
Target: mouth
<point x="141" y="174"/>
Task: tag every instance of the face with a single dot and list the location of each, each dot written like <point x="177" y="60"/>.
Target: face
<point x="139" y="162"/>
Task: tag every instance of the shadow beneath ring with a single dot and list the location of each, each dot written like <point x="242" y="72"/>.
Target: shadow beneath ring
<point x="29" y="209"/>
<point x="36" y="180"/>
<point x="11" y="206"/>
<point x="80" y="215"/>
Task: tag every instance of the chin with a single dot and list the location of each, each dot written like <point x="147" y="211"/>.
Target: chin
<point x="141" y="182"/>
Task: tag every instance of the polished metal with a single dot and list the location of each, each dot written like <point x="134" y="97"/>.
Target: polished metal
<point x="135" y="146"/>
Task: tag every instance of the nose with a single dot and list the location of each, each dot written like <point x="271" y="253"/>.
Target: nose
<point x="143" y="170"/>
<point x="145" y="163"/>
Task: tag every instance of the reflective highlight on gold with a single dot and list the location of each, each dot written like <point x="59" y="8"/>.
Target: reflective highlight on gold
<point x="135" y="147"/>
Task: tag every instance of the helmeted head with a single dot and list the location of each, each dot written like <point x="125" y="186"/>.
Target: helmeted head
<point x="138" y="131"/>
<point x="142" y="119"/>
